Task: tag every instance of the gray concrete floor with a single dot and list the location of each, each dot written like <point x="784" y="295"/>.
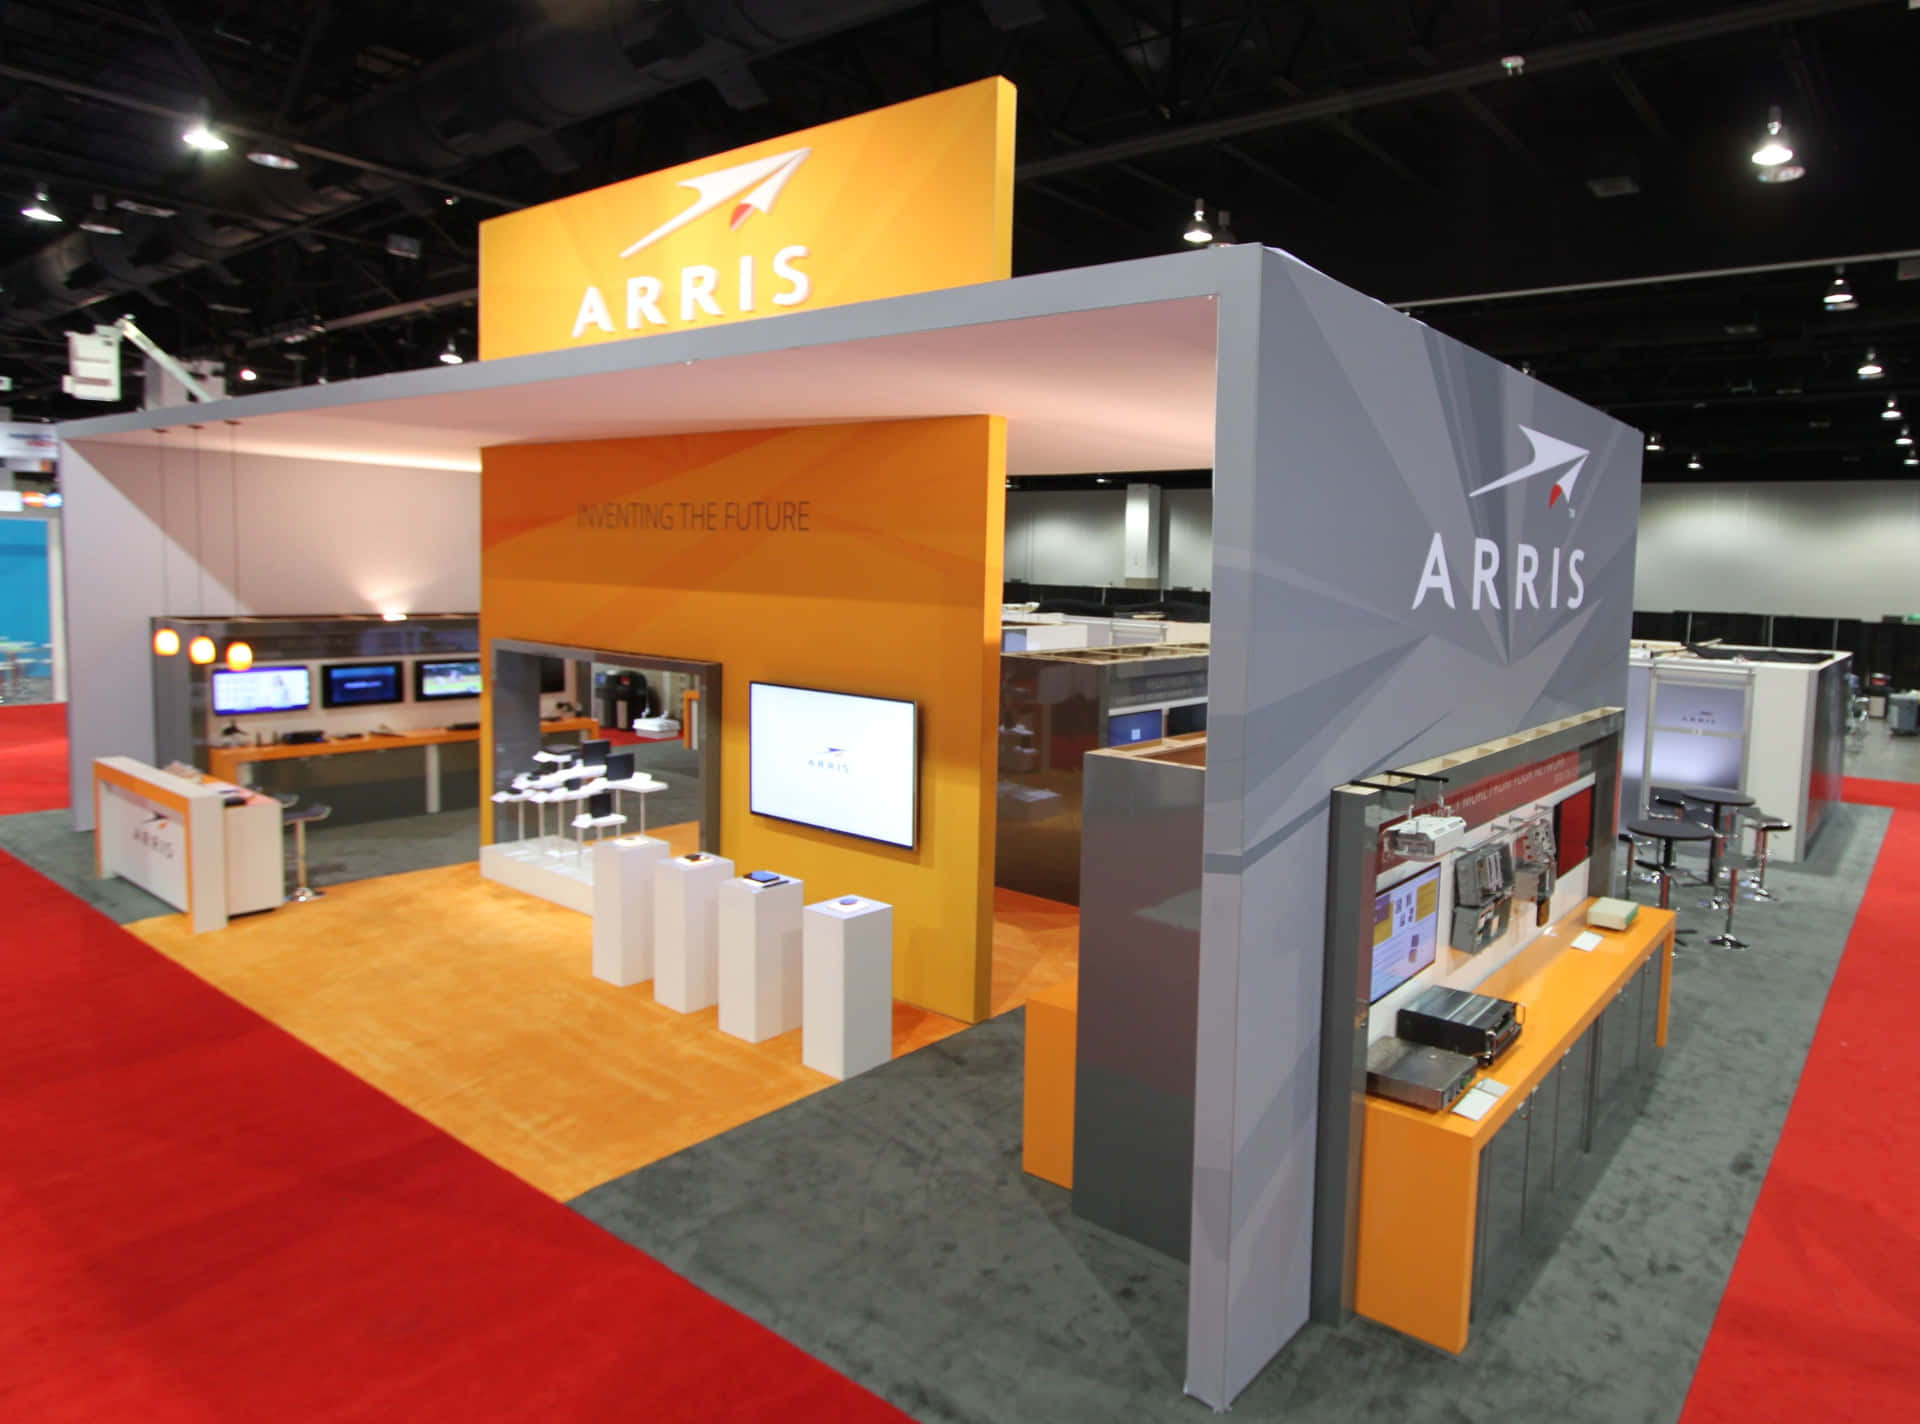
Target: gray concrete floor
<point x="1878" y="754"/>
<point x="885" y="1225"/>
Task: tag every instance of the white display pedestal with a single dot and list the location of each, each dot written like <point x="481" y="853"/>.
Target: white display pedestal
<point x="848" y="994"/>
<point x="760" y="958"/>
<point x="623" y="871"/>
<point x="686" y="957"/>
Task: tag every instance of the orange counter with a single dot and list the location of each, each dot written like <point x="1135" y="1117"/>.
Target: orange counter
<point x="1420" y="1171"/>
<point x="224" y="763"/>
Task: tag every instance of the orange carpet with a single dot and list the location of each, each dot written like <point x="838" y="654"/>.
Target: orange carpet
<point x="475" y="1006"/>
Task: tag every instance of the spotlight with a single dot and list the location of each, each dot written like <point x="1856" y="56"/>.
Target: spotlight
<point x="1871" y="369"/>
<point x="274" y="157"/>
<point x="247" y="373"/>
<point x="204" y="139"/>
<point x="39" y="210"/>
<point x="1693" y="462"/>
<point x="1774" y="148"/>
<point x="1654" y="445"/>
<point x="451" y="356"/>
<point x="1903" y="438"/>
<point x="1892" y="412"/>
<point x="1198" y="233"/>
<point x="1838" y="297"/>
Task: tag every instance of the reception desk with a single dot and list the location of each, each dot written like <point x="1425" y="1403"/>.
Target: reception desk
<point x="208" y="848"/>
<point x="235" y="763"/>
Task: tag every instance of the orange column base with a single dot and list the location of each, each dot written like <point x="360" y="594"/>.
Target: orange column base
<point x="1053" y="1026"/>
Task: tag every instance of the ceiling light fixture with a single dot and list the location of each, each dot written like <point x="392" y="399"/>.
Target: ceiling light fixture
<point x="1653" y="444"/>
<point x="1774" y="156"/>
<point x="145" y="210"/>
<point x="1198" y="233"/>
<point x="1903" y="438"/>
<point x="1838" y="297"/>
<point x="204" y="139"/>
<point x="1871" y="369"/>
<point x="97" y="221"/>
<point x="451" y="356"/>
<point x="38" y="210"/>
<point x="273" y="156"/>
<point x="1911" y="460"/>
<point x="1693" y="462"/>
<point x="1892" y="412"/>
<point x="247" y="373"/>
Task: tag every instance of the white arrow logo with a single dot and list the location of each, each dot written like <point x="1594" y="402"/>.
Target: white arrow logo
<point x="1549" y="452"/>
<point x="765" y="177"/>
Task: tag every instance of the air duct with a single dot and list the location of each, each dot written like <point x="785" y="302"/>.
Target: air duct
<point x="577" y="60"/>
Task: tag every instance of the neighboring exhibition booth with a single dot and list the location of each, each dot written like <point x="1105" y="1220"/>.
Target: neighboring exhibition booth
<point x="1417" y="550"/>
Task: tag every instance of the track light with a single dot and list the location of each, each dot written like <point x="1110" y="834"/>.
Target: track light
<point x="1774" y="156"/>
<point x="1892" y="412"/>
<point x="239" y="655"/>
<point x="1198" y="233"/>
<point x="39" y="210"/>
<point x="451" y="356"/>
<point x="1838" y="297"/>
<point x="200" y="650"/>
<point x="166" y="642"/>
<point x="204" y="139"/>
<point x="1871" y="369"/>
<point x="1693" y="462"/>
<point x="1654" y="445"/>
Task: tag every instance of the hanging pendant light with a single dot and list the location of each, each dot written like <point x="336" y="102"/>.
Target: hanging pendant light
<point x="200" y="651"/>
<point x="239" y="655"/>
<point x="1839" y="297"/>
<point x="166" y="642"/>
<point x="1198" y="233"/>
<point x="1871" y="369"/>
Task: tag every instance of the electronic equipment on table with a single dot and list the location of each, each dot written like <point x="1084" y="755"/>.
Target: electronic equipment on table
<point x="1427" y="837"/>
<point x="1533" y="869"/>
<point x="1477" y="1025"/>
<point x="1417" y="1074"/>
<point x="303" y="737"/>
<point x="1610" y="914"/>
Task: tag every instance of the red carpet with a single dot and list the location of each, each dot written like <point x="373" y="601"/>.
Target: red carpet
<point x="1821" y="1320"/>
<point x="205" y="1220"/>
<point x="33" y="757"/>
<point x="622" y="738"/>
<point x="1901" y="795"/>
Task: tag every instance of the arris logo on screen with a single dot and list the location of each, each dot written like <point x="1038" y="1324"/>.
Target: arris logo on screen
<point x="831" y="759"/>
<point x="1530" y="583"/>
<point x="757" y="185"/>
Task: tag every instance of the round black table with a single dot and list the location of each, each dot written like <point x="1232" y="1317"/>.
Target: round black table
<point x="1668" y="830"/>
<point x="1719" y="798"/>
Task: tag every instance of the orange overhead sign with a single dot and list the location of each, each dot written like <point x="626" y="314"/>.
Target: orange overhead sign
<point x="909" y="198"/>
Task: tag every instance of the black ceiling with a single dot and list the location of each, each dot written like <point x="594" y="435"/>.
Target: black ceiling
<point x="1381" y="142"/>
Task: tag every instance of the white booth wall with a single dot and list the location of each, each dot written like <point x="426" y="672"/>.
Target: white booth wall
<point x="1079" y="537"/>
<point x="1816" y="549"/>
<point x="310" y="536"/>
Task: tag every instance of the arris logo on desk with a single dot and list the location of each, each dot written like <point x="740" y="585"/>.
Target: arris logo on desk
<point x="757" y="184"/>
<point x="1558" y="583"/>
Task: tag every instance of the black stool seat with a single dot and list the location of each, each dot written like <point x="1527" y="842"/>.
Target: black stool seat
<point x="1660" y="828"/>
<point x="1712" y="795"/>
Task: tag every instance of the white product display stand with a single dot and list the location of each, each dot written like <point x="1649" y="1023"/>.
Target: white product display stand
<point x="848" y="995"/>
<point x="623" y="907"/>
<point x="760" y="958"/>
<point x="686" y="954"/>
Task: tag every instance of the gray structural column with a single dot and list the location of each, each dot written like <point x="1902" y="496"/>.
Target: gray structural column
<point x="1415" y="549"/>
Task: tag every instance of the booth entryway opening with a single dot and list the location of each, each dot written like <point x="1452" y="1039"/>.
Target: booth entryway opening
<point x="643" y="769"/>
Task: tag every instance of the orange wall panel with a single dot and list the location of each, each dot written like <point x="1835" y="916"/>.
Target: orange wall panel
<point x="854" y="558"/>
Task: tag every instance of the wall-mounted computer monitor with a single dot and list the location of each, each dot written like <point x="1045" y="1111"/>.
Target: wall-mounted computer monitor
<point x="1126" y="728"/>
<point x="440" y="681"/>
<point x="834" y="760"/>
<point x="553" y="674"/>
<point x="1406" y="931"/>
<point x="262" y="689"/>
<point x="1188" y="717"/>
<point x="361" y="684"/>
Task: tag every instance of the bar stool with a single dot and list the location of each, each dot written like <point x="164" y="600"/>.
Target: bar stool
<point x="1763" y="824"/>
<point x="1725" y="939"/>
<point x="300" y="820"/>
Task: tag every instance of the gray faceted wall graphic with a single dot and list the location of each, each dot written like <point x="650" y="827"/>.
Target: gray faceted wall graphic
<point x="1349" y="441"/>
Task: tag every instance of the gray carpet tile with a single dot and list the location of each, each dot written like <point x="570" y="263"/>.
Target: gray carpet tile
<point x="885" y="1225"/>
<point x="1877" y="753"/>
<point x="47" y="841"/>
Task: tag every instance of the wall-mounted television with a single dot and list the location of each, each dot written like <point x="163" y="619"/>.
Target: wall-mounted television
<point x="441" y="681"/>
<point x="553" y="674"/>
<point x="262" y="689"/>
<point x="1126" y="728"/>
<point x="834" y="760"/>
<point x="1187" y="717"/>
<point x="1406" y="931"/>
<point x="361" y="684"/>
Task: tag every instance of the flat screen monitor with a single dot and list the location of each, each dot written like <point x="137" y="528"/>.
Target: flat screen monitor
<point x="262" y="689"/>
<point x="1189" y="717"/>
<point x="1126" y="728"/>
<point x="1406" y="931"/>
<point x="441" y="681"/>
<point x="834" y="760"/>
<point x="595" y="753"/>
<point x="553" y="674"/>
<point x="361" y="684"/>
<point x="620" y="766"/>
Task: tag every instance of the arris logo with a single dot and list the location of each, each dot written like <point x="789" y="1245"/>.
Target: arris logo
<point x="1527" y="575"/>
<point x="832" y="759"/>
<point x="757" y="184"/>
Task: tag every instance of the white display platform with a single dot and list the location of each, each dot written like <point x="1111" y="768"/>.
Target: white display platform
<point x="760" y="957"/>
<point x="623" y="907"/>
<point x="544" y="866"/>
<point x="848" y="986"/>
<point x="686" y="954"/>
